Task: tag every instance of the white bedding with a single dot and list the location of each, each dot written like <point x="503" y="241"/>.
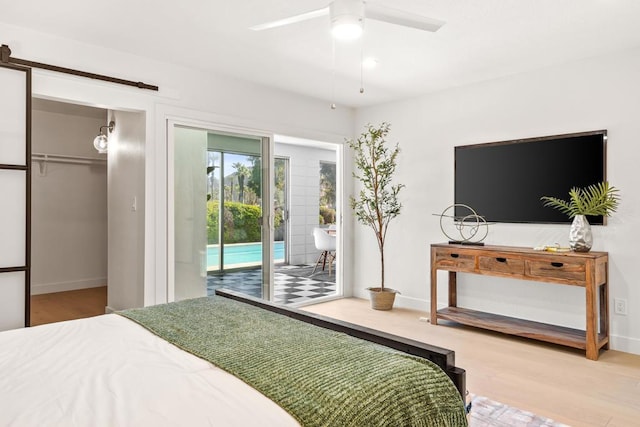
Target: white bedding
<point x="110" y="371"/>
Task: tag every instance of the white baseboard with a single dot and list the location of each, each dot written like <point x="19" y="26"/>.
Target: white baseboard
<point x="47" y="288"/>
<point x="400" y="301"/>
<point x="412" y="303"/>
<point x="626" y="344"/>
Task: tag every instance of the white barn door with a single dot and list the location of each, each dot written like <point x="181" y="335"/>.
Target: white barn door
<point x="15" y="195"/>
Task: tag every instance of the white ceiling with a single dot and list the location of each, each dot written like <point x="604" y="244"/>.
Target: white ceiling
<point x="482" y="39"/>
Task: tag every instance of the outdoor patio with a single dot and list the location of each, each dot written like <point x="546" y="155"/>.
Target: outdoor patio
<point x="292" y="283"/>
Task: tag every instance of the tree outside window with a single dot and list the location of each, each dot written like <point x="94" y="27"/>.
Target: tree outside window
<point x="327" y="213"/>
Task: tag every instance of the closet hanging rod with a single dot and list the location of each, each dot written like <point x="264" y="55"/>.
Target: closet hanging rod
<point x="63" y="158"/>
<point x="5" y="56"/>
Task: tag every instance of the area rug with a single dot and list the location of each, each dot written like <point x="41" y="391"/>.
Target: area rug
<point x="486" y="412"/>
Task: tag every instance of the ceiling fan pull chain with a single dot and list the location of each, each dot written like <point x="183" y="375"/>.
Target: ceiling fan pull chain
<point x="333" y="73"/>
<point x="362" y="63"/>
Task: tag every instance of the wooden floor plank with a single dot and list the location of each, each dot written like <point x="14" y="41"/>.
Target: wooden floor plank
<point x="59" y="306"/>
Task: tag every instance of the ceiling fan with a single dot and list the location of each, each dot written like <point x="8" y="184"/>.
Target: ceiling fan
<point x="347" y="18"/>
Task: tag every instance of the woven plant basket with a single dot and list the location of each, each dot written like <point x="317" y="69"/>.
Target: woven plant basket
<point x="382" y="300"/>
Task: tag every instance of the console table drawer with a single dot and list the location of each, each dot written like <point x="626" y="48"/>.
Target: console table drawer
<point x="455" y="260"/>
<point x="504" y="265"/>
<point x="558" y="271"/>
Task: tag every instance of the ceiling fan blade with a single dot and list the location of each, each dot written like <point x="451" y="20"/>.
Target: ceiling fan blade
<point x="400" y="17"/>
<point x="291" y="20"/>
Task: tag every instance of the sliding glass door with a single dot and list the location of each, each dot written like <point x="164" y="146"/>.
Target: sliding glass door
<point x="311" y="210"/>
<point x="221" y="234"/>
<point x="246" y="212"/>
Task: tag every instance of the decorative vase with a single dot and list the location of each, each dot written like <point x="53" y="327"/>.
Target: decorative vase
<point x="382" y="299"/>
<point x="580" y="237"/>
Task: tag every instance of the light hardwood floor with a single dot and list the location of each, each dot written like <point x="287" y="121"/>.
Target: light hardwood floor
<point x="59" y="306"/>
<point x="548" y="380"/>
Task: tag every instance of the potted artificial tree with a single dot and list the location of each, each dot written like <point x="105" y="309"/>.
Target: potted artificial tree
<point x="597" y="199"/>
<point x="377" y="202"/>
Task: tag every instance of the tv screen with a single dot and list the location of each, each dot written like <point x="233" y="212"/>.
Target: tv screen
<point x="504" y="181"/>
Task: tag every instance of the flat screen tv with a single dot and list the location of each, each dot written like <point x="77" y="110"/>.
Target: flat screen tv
<point x="503" y="181"/>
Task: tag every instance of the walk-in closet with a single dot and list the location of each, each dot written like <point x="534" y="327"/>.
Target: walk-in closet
<point x="68" y="212"/>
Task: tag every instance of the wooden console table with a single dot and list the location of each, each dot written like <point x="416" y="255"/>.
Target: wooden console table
<point x="589" y="270"/>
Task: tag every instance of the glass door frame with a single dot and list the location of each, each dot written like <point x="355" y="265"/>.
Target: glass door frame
<point x="267" y="177"/>
<point x="286" y="207"/>
<point x="268" y="180"/>
<point x="222" y="168"/>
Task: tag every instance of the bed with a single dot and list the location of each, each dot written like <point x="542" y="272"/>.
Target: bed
<point x="224" y="360"/>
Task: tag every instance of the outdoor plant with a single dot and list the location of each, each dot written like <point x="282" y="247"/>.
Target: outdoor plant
<point x="327" y="215"/>
<point x="597" y="200"/>
<point x="241" y="222"/>
<point x="377" y="202"/>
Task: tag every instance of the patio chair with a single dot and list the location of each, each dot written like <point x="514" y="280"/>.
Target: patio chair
<point x="326" y="243"/>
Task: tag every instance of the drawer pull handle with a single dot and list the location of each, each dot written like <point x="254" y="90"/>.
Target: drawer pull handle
<point x="557" y="264"/>
<point x="501" y="259"/>
<point x="454" y="255"/>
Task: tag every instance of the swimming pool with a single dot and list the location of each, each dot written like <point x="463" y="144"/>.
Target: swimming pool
<point x="241" y="254"/>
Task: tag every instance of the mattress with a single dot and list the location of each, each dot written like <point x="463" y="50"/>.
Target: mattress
<point x="142" y="381"/>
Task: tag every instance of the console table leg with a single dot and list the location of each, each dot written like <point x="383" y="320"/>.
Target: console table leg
<point x="434" y="290"/>
<point x="604" y="303"/>
<point x="453" y="289"/>
<point x="592" y="316"/>
<point x="604" y="313"/>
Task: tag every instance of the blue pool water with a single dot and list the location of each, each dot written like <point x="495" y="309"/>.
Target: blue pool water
<point x="239" y="254"/>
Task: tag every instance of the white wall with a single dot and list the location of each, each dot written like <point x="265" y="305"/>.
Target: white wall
<point x="599" y="93"/>
<point x="187" y="95"/>
<point x="304" y="198"/>
<point x="69" y="201"/>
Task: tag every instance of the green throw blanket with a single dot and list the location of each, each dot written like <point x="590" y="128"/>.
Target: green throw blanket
<point x="321" y="377"/>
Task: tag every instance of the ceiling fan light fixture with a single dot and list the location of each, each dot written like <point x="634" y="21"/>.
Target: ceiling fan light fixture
<point x="346" y="28"/>
<point x="347" y="19"/>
